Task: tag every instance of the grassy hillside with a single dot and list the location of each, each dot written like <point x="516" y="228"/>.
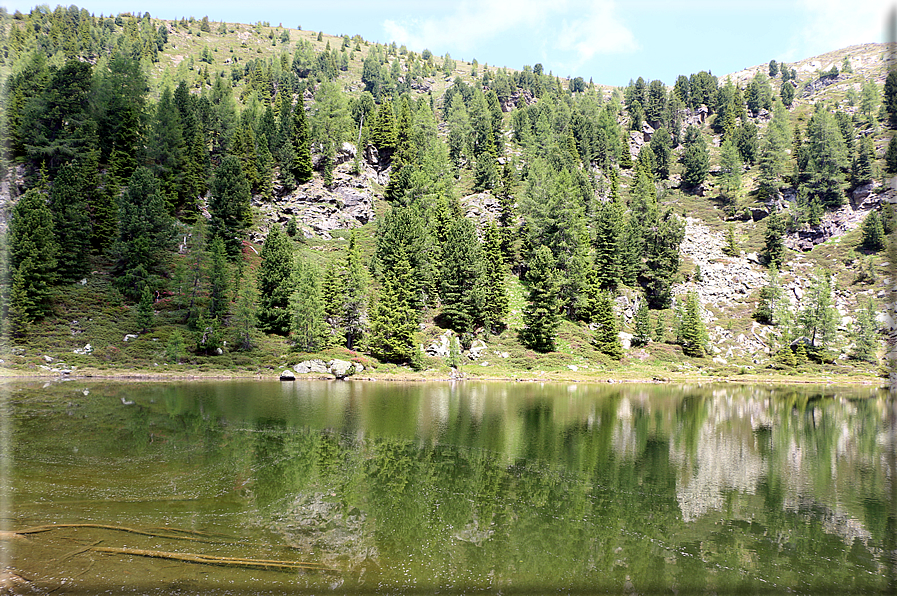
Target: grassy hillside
<point x="93" y="312"/>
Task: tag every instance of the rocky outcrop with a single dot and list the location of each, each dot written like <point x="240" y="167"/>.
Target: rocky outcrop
<point x="482" y="208"/>
<point x="320" y="209"/>
<point x="836" y="223"/>
<point x="340" y="369"/>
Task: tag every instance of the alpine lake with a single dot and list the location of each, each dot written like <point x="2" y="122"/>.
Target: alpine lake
<point x="353" y="487"/>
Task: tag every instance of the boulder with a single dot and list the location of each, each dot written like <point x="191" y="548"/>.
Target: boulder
<point x="287" y="375"/>
<point x="341" y="368"/>
<point x="476" y="349"/>
<point x="625" y="339"/>
<point x="311" y="366"/>
<point x="440" y="346"/>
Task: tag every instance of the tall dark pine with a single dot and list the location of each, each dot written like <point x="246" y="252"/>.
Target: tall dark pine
<point x="145" y="232"/>
<point x="540" y="316"/>
<point x="462" y="267"/>
<point x="302" y="166"/>
<point x="33" y="253"/>
<point x="71" y="222"/>
<point x="275" y="283"/>
<point x="229" y="204"/>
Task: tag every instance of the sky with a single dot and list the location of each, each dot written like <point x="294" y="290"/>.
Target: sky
<point x="608" y="41"/>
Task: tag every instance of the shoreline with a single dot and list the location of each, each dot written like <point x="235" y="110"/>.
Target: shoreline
<point x="7" y="375"/>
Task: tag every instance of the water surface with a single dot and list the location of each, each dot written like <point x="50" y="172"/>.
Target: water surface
<point x="452" y="488"/>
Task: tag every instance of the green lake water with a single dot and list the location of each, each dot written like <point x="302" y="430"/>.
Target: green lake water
<point x="352" y="487"/>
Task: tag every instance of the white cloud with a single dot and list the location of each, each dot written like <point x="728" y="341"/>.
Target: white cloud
<point x="578" y="29"/>
<point x="834" y="24"/>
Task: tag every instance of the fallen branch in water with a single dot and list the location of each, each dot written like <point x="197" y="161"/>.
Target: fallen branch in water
<point x="39" y="529"/>
<point x="213" y="560"/>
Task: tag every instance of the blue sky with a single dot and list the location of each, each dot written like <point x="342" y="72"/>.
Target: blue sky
<point x="610" y="41"/>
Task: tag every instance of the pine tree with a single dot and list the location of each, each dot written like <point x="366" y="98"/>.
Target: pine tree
<point x="540" y="316"/>
<point x="495" y="296"/>
<point x="145" y="232"/>
<point x="693" y="334"/>
<point x="32" y="252"/>
<point x="219" y="280"/>
<point x="301" y="167"/>
<point x="307" y="326"/>
<point x="774" y="248"/>
<point x="145" y="314"/>
<point x="818" y="319"/>
<point x="332" y="296"/>
<point x="71" y="222"/>
<point x="606" y="338"/>
<point x="770" y="297"/>
<point x="642" y="324"/>
<point x="355" y="291"/>
<point x="461" y="271"/>
<point x="873" y="232"/>
<point x="229" y="204"/>
<point x="730" y="170"/>
<point x="696" y="158"/>
<point x="393" y="319"/>
<point x="864" y="330"/>
<point x="275" y="283"/>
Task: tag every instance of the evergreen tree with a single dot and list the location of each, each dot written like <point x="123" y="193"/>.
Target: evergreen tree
<point x="661" y="145"/>
<point x="495" y="296"/>
<point x="606" y="338"/>
<point x="818" y="319"/>
<point x="307" y="326"/>
<point x="32" y="257"/>
<point x="145" y="314"/>
<point x="540" y="316"/>
<point x="730" y="170"/>
<point x="696" y="158"/>
<point x="355" y="291"/>
<point x="861" y="168"/>
<point x="219" y="280"/>
<point x="826" y="159"/>
<point x="891" y="156"/>
<point x="770" y="297"/>
<point x="166" y="149"/>
<point x="301" y="167"/>
<point x="662" y="258"/>
<point x="731" y="247"/>
<point x="873" y="232"/>
<point x="461" y="272"/>
<point x="774" y="248"/>
<point x="71" y="222"/>
<point x="393" y="319"/>
<point x="229" y="204"/>
<point x="332" y="296"/>
<point x="642" y="325"/>
<point x="864" y="330"/>
<point x="608" y="235"/>
<point x="890" y="97"/>
<point x="244" y="319"/>
<point x="145" y="232"/>
<point x="275" y="283"/>
<point x="693" y="334"/>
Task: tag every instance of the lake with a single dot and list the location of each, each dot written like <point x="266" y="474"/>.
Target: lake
<point x="375" y="487"/>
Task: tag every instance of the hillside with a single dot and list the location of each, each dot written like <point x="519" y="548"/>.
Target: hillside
<point x="629" y="196"/>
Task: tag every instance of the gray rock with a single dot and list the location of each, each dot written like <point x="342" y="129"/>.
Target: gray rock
<point x="341" y="368"/>
<point x="287" y="375"/>
<point x="311" y="366"/>
<point x="476" y="349"/>
<point x="440" y="346"/>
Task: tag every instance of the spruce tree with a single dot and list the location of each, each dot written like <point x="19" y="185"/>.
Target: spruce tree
<point x="461" y="272"/>
<point x="229" y="204"/>
<point x="32" y="257"/>
<point x="71" y="222"/>
<point x="818" y="319"/>
<point x="355" y="290"/>
<point x="692" y="333"/>
<point x="696" y="158"/>
<point x="495" y="296"/>
<point x="332" y="296"/>
<point x="145" y="314"/>
<point x="774" y="248"/>
<point x="642" y="324"/>
<point x="873" y="232"/>
<point x="145" y="232"/>
<point x="540" y="315"/>
<point x="244" y="318"/>
<point x="275" y="283"/>
<point x="606" y="338"/>
<point x="307" y="327"/>
<point x="864" y="330"/>
<point x="608" y="234"/>
<point x="301" y="167"/>
<point x="219" y="280"/>
<point x="393" y="319"/>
